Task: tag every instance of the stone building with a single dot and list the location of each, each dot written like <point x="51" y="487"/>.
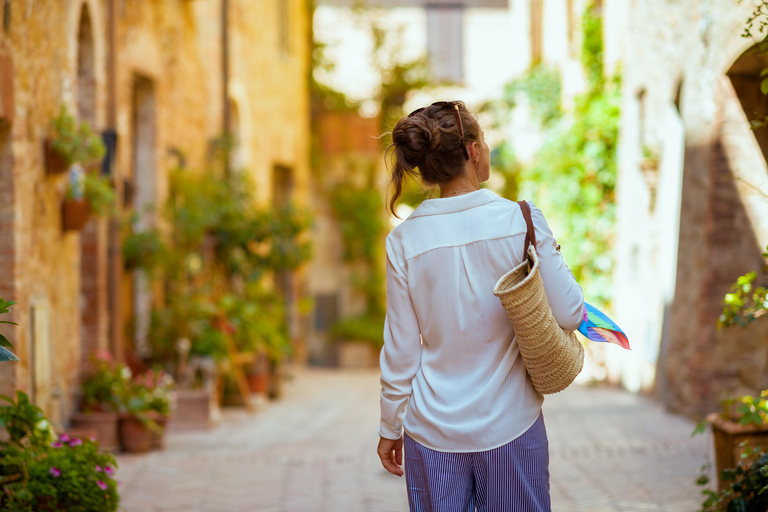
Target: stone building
<point x="161" y="80"/>
<point x="692" y="207"/>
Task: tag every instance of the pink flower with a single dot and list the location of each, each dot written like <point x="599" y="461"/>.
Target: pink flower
<point x="56" y="444"/>
<point x="75" y="442"/>
<point x="55" y="472"/>
<point x="98" y="468"/>
<point x="108" y="470"/>
<point x="63" y="438"/>
<point x="102" y="485"/>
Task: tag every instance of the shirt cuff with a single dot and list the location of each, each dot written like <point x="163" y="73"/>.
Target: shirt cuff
<point x="388" y="433"/>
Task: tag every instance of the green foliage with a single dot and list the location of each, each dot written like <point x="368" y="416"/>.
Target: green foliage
<point x="5" y="344"/>
<point x="747" y="485"/>
<point x="541" y="86"/>
<point x="592" y="47"/>
<point x="76" y="142"/>
<point x="359" y="211"/>
<point x="105" y="384"/>
<point x="366" y="328"/>
<point x="24" y="421"/>
<point x="745" y="303"/>
<point x="99" y="193"/>
<point x="573" y="175"/>
<point x="144" y="249"/>
<point x="258" y="321"/>
<point x="218" y="247"/>
<point x="504" y="163"/>
<point x="38" y="474"/>
<point x="573" y="180"/>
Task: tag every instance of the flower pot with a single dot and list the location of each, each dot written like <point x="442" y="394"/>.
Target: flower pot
<point x="258" y="382"/>
<point x="135" y="436"/>
<point x="103" y="423"/>
<point x="728" y="435"/>
<point x="75" y="214"/>
<point x="55" y="162"/>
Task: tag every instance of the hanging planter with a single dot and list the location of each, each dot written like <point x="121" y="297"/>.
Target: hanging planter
<point x="70" y="142"/>
<point x="75" y="214"/>
<point x="55" y="162"/>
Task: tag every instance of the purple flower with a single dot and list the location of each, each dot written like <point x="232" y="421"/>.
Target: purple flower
<point x="55" y="472"/>
<point x="102" y="485"/>
<point x="56" y="444"/>
<point x="108" y="470"/>
<point x="75" y="442"/>
<point x="63" y="438"/>
<point x="98" y="468"/>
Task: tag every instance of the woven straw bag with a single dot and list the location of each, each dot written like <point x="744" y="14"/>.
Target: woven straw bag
<point x="552" y="356"/>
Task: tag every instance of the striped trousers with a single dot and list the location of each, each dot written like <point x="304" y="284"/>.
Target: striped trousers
<point x="510" y="478"/>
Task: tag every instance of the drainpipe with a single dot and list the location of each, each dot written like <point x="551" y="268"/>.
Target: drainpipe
<point x="225" y="80"/>
<point x="115" y="264"/>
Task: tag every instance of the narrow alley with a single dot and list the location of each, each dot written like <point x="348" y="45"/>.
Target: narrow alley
<point x="314" y="451"/>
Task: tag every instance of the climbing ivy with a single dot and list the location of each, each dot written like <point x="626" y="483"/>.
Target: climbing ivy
<point x="572" y="177"/>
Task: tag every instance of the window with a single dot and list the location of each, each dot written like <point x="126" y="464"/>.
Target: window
<point x="445" y="42"/>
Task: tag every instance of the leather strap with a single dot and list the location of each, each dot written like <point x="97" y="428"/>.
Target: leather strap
<point x="530" y="235"/>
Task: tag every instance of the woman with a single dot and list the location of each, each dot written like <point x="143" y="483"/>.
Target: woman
<point x="451" y="372"/>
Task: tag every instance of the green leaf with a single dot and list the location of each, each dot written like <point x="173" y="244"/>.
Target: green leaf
<point x="764" y="86"/>
<point x="7" y="399"/>
<point x="4" y="342"/>
<point x="7" y="322"/>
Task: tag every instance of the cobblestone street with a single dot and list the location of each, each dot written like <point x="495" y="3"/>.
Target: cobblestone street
<point x="314" y="451"/>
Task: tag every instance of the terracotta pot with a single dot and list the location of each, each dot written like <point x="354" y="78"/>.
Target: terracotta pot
<point x="74" y="214"/>
<point x="728" y="435"/>
<point x="55" y="162"/>
<point x="258" y="382"/>
<point x="135" y="436"/>
<point x="103" y="423"/>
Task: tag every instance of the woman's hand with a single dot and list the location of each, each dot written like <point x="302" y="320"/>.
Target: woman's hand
<point x="391" y="454"/>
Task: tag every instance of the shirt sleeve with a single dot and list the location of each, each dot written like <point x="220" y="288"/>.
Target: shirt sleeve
<point x="566" y="298"/>
<point x="401" y="355"/>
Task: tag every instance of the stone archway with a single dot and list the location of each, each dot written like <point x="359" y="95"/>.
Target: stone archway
<point x="94" y="319"/>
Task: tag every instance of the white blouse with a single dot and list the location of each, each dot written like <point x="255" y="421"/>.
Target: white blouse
<point x="450" y="357"/>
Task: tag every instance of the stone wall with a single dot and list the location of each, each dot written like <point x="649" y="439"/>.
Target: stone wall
<point x="168" y="107"/>
<point x="677" y="255"/>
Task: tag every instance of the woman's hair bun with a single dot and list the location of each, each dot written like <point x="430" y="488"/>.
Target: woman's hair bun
<point x="414" y="137"/>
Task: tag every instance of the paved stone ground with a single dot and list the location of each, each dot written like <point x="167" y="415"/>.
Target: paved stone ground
<point x="314" y="451"/>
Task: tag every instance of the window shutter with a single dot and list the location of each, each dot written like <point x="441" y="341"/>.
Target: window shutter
<point x="445" y="42"/>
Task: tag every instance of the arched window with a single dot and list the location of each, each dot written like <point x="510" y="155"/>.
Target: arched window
<point x="86" y="79"/>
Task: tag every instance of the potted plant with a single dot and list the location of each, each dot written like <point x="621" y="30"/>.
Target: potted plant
<point x="5" y="344"/>
<point x="155" y="388"/>
<point x="742" y="487"/>
<point x="70" y="142"/>
<point x="41" y="472"/>
<point x="102" y="388"/>
<point x="744" y="419"/>
<point x="87" y="193"/>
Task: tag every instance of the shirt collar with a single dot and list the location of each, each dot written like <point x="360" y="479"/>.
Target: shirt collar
<point x="454" y="204"/>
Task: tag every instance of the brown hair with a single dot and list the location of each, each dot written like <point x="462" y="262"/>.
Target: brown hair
<point x="430" y="142"/>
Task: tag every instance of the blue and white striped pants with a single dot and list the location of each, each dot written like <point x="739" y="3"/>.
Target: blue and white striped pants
<point x="510" y="478"/>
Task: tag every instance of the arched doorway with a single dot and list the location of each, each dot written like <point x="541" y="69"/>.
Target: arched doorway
<point x="94" y="322"/>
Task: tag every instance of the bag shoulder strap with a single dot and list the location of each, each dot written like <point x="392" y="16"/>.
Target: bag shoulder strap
<point x="530" y="235"/>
